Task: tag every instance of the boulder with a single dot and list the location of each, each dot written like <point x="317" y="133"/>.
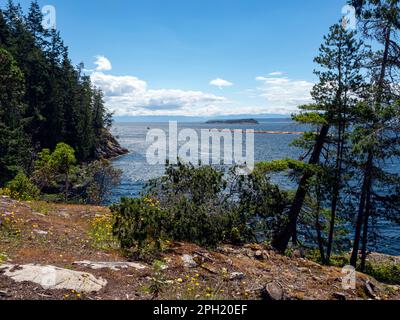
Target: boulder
<point x="54" y="278"/>
<point x="273" y="291"/>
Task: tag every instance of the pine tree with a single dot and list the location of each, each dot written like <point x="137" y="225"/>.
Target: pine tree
<point x="376" y="132"/>
<point x="34" y="25"/>
<point x="339" y="76"/>
<point x="4" y="30"/>
<point x="12" y="139"/>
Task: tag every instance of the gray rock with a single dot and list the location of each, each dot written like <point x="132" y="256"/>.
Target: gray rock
<point x="236" y="276"/>
<point x="188" y="261"/>
<point x="111" y="265"/>
<point x="273" y="291"/>
<point x="40" y="232"/>
<point x="54" y="278"/>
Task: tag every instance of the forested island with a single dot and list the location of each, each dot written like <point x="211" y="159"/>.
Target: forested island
<point x="198" y="232"/>
<point x="235" y="121"/>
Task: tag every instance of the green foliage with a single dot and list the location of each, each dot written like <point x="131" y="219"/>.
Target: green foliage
<point x="62" y="160"/>
<point x="52" y="168"/>
<point x="140" y="226"/>
<point x="44" y="99"/>
<point x="199" y="205"/>
<point x="22" y="188"/>
<point x="313" y="118"/>
<point x="13" y="142"/>
<point x="101" y="232"/>
<point x="384" y="272"/>
<point x="158" y="282"/>
<point x="284" y="165"/>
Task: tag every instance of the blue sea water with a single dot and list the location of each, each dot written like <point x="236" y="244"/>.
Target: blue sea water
<point x="136" y="170"/>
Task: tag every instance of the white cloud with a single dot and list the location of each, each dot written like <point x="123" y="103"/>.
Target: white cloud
<point x="284" y="95"/>
<point x="128" y="95"/>
<point x="102" y="63"/>
<point x="131" y="96"/>
<point x="276" y="73"/>
<point x="221" y="83"/>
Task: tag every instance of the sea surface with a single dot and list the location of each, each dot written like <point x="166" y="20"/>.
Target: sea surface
<point x="136" y="170"/>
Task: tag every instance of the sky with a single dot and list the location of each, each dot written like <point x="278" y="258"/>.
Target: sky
<point x="200" y="58"/>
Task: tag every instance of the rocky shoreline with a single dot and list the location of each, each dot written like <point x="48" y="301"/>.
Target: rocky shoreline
<point x="111" y="149"/>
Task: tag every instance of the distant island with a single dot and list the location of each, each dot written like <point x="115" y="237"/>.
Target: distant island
<point x="236" y="121"/>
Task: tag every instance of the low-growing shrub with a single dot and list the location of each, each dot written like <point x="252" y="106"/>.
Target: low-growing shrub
<point x="101" y="232"/>
<point x="22" y="188"/>
<point x="140" y="226"/>
<point x="384" y="272"/>
<point x="201" y="205"/>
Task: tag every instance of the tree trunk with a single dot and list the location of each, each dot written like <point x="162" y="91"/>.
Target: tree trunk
<point x="361" y="209"/>
<point x="365" y="233"/>
<point x="66" y="186"/>
<point x="319" y="235"/>
<point x="336" y="191"/>
<point x="281" y="241"/>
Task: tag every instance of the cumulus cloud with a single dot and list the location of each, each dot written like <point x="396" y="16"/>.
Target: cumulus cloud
<point x="131" y="96"/>
<point x="128" y="95"/>
<point x="102" y="63"/>
<point x="284" y="95"/>
<point x="220" y="83"/>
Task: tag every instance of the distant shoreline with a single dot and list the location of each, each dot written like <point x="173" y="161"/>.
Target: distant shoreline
<point x="234" y="121"/>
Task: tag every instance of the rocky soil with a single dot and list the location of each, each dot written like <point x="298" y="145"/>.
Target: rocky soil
<point x="50" y="255"/>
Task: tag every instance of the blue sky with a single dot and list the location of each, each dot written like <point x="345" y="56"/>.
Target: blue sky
<point x="198" y="57"/>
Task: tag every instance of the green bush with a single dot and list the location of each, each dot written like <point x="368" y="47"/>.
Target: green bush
<point x="384" y="272"/>
<point x="200" y="205"/>
<point x="140" y="226"/>
<point x="21" y="188"/>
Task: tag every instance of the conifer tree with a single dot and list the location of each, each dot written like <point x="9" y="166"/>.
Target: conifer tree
<point x="377" y="118"/>
<point x="339" y="62"/>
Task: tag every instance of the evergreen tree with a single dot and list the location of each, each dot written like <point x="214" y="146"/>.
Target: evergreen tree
<point x="377" y="119"/>
<point x="12" y="139"/>
<point x="339" y="76"/>
<point x="60" y="102"/>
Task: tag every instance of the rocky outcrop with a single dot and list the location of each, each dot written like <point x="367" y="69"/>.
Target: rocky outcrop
<point x="54" y="278"/>
<point x="108" y="147"/>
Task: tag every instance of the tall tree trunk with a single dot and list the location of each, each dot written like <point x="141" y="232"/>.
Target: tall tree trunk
<point x="336" y="191"/>
<point x="319" y="234"/>
<point x="365" y="233"/>
<point x="360" y="216"/>
<point x="281" y="240"/>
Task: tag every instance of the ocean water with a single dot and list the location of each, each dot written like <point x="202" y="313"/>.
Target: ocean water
<point x="136" y="170"/>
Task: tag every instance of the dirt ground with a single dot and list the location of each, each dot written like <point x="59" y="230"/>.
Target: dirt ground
<point x="59" y="235"/>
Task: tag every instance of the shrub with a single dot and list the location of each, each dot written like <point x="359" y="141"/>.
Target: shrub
<point x="21" y="188"/>
<point x="201" y="205"/>
<point x="53" y="168"/>
<point x="140" y="226"/>
<point x="384" y="272"/>
<point x="101" y="232"/>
